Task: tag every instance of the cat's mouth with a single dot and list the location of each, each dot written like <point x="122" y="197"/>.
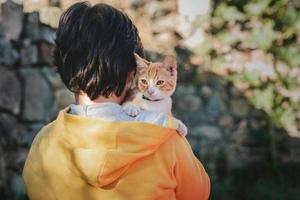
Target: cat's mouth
<point x="151" y="99"/>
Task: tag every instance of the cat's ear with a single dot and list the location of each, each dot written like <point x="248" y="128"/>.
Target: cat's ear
<point x="170" y="64"/>
<point x="141" y="62"/>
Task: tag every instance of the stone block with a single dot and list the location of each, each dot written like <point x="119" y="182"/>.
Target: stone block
<point x="11" y="20"/>
<point x="208" y="132"/>
<point x="239" y="107"/>
<point x="53" y="78"/>
<point x="8" y="129"/>
<point x="32" y="26"/>
<point x="38" y="96"/>
<point x="10" y="90"/>
<point x="29" y="54"/>
<point x="64" y="98"/>
<point x="215" y="105"/>
<point x="45" y="53"/>
<point x="190" y="103"/>
<point x="8" y="55"/>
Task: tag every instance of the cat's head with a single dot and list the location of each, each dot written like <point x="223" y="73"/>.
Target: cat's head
<point x="156" y="80"/>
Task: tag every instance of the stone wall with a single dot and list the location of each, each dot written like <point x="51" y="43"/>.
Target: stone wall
<point x="225" y="131"/>
<point x="31" y="91"/>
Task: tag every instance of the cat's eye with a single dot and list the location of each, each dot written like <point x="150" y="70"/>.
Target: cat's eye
<point x="159" y="82"/>
<point x="144" y="81"/>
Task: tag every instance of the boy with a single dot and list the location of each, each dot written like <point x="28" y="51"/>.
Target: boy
<point x="92" y="150"/>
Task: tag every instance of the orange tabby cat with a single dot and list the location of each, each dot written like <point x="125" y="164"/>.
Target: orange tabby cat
<point x="156" y="82"/>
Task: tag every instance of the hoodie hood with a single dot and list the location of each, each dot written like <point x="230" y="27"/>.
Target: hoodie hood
<point x="103" y="151"/>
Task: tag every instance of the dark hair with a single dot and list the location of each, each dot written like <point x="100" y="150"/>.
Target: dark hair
<point x="94" y="49"/>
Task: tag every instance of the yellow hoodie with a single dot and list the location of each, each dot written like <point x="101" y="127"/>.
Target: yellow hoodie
<point x="84" y="158"/>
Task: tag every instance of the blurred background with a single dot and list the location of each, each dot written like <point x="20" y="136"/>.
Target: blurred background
<point x="238" y="90"/>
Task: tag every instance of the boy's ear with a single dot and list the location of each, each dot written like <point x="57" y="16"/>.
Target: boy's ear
<point x="141" y="62"/>
<point x="170" y="64"/>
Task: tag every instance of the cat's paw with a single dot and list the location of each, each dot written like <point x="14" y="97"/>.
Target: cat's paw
<point x="181" y="128"/>
<point x="131" y="109"/>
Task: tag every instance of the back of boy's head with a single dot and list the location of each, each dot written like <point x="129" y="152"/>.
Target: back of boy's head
<point x="94" y="49"/>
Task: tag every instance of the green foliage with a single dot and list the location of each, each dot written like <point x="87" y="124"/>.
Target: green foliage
<point x="256" y="8"/>
<point x="263" y="98"/>
<point x="268" y="26"/>
<point x="290" y="20"/>
<point x="289" y="54"/>
<point x="204" y="49"/>
<point x="283" y="117"/>
<point x="267" y="33"/>
<point x="261" y="37"/>
<point x="251" y="78"/>
<point x="227" y="38"/>
<point x="228" y="13"/>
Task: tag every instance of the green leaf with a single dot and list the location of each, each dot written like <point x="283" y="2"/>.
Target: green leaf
<point x="279" y="4"/>
<point x="253" y="78"/>
<point x="217" y="22"/>
<point x="290" y="55"/>
<point x="261" y="37"/>
<point x="229" y="13"/>
<point x="203" y="49"/>
<point x="275" y="116"/>
<point x="235" y="77"/>
<point x="227" y="38"/>
<point x="263" y="99"/>
<point x="297" y="25"/>
<point x="283" y="117"/>
<point x="256" y="8"/>
<point x="290" y="17"/>
<point x="288" y="117"/>
<point x="217" y="62"/>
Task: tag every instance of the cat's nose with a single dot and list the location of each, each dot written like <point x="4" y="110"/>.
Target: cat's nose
<point x="151" y="91"/>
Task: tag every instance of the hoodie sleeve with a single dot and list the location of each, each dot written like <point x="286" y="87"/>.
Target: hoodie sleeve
<point x="192" y="180"/>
